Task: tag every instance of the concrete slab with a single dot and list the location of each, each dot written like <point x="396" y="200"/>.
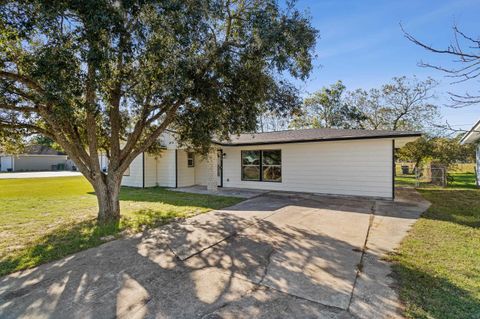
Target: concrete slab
<point x="38" y="174"/>
<point x="222" y="191"/>
<point x="375" y="295"/>
<point x="271" y="256"/>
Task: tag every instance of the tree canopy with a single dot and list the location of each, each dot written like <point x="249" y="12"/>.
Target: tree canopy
<point x="110" y="76"/>
<point x="402" y="104"/>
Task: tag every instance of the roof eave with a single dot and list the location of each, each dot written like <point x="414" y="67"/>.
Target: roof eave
<point x="320" y="140"/>
<point x="474" y="129"/>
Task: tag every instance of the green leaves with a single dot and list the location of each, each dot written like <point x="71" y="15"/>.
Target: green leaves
<point x="92" y="73"/>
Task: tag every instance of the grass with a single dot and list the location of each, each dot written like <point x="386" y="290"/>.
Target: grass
<point x="438" y="264"/>
<point x="44" y="219"/>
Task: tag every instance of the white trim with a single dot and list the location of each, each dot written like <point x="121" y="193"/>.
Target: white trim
<point x="471" y="136"/>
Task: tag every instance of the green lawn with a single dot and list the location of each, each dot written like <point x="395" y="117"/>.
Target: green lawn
<point x="438" y="264"/>
<point x="44" y="219"/>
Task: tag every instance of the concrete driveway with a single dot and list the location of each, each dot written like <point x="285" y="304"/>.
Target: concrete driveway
<point x="272" y="256"/>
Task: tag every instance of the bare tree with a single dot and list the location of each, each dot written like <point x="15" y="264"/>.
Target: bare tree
<point x="465" y="52"/>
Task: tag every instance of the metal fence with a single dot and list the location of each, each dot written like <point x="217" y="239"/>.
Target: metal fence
<point x="408" y="174"/>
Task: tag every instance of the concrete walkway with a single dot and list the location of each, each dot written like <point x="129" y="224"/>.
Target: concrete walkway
<point x="271" y="256"/>
<point x="38" y="174"/>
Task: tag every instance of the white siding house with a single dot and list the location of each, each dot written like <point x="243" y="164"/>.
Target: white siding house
<point x="473" y="137"/>
<point x="343" y="162"/>
<point x="35" y="158"/>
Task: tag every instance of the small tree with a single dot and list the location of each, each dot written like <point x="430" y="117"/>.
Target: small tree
<point x="111" y="76"/>
<point x="417" y="151"/>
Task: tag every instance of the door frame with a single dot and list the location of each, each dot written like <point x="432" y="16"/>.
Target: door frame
<point x="220" y="166"/>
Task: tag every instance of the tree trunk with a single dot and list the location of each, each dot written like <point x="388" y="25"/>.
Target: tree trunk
<point x="107" y="190"/>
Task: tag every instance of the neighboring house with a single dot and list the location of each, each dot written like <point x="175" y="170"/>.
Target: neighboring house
<point x="473" y="137"/>
<point x="34" y="158"/>
<point x="330" y="161"/>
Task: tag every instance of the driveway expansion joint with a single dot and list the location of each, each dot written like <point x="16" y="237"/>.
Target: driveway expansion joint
<point x="364" y="249"/>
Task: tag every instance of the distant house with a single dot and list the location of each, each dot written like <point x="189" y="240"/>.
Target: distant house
<point x="473" y="136"/>
<point x="331" y="161"/>
<point x="34" y="158"/>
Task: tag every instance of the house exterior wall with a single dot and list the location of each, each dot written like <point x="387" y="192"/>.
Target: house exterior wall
<point x="166" y="168"/>
<point x="186" y="175"/>
<point x="135" y="173"/>
<point x="37" y="162"/>
<point x="6" y="163"/>
<point x="159" y="170"/>
<point x="201" y="170"/>
<point x="357" y="167"/>
<point x="478" y="164"/>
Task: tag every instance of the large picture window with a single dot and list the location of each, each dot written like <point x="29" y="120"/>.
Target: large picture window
<point x="262" y="165"/>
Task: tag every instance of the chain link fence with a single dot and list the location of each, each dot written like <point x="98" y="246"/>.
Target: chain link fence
<point x="409" y="175"/>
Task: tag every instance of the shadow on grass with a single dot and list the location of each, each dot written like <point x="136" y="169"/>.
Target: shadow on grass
<point x="75" y="237"/>
<point x="453" y="205"/>
<point x="60" y="242"/>
<point x="428" y="296"/>
<point x="163" y="195"/>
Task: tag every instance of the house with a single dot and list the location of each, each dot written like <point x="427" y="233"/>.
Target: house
<point x="330" y="161"/>
<point x="34" y="158"/>
<point x="473" y="136"/>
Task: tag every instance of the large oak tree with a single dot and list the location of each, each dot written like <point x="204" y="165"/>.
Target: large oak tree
<point x="111" y="76"/>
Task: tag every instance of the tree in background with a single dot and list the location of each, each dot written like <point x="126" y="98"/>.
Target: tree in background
<point x="403" y="104"/>
<point x="418" y="151"/>
<point x="442" y="150"/>
<point x="110" y="76"/>
<point x="324" y="108"/>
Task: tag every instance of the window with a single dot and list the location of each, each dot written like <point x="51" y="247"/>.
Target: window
<point x="272" y="166"/>
<point x="264" y="165"/>
<point x="191" y="159"/>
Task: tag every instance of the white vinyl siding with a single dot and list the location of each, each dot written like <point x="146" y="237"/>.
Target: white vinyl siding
<point x="478" y="164"/>
<point x="159" y="170"/>
<point x="37" y="162"/>
<point x="6" y="163"/>
<point x="166" y="168"/>
<point x="186" y="175"/>
<point x="201" y="170"/>
<point x="360" y="167"/>
<point x="135" y="179"/>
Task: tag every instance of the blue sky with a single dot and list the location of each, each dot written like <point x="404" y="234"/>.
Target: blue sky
<point x="361" y="43"/>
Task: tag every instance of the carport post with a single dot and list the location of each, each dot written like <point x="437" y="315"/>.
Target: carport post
<point x="212" y="167"/>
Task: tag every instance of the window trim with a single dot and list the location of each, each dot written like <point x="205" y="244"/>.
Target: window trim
<point x="260" y="166"/>
<point x="192" y="158"/>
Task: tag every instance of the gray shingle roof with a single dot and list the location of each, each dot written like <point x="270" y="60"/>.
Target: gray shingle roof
<point x="311" y="135"/>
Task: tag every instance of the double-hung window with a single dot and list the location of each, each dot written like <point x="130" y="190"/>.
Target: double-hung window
<point x="262" y="165"/>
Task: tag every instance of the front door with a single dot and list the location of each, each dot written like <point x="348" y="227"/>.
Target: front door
<point x="220" y="168"/>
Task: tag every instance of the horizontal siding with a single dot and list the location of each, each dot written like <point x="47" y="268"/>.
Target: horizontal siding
<point x="38" y="163"/>
<point x="135" y="179"/>
<point x="166" y="168"/>
<point x="6" y="163"/>
<point x="361" y="167"/>
<point x="200" y="170"/>
<point x="186" y="175"/>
